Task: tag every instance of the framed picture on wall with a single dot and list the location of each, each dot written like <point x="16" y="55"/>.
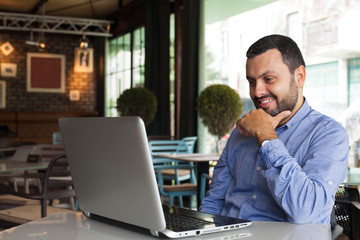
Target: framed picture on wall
<point x="74" y="95"/>
<point x="45" y="72"/>
<point x="8" y="69"/>
<point x="2" y="94"/>
<point x="83" y="60"/>
<point x="6" y="48"/>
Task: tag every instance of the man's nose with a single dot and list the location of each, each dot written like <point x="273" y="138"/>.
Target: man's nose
<point x="260" y="89"/>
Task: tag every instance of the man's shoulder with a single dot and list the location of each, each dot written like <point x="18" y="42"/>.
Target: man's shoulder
<point x="323" y="120"/>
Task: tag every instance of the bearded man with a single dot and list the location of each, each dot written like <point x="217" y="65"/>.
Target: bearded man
<point x="284" y="161"/>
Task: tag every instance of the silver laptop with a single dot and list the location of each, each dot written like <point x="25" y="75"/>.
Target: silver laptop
<point x="113" y="176"/>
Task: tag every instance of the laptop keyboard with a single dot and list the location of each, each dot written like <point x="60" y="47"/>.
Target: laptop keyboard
<point x="183" y="222"/>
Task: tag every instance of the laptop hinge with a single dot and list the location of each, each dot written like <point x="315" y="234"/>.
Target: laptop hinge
<point x="154" y="233"/>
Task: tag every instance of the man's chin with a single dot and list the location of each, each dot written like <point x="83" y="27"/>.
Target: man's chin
<point x="272" y="113"/>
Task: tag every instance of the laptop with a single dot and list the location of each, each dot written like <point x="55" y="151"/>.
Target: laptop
<point x="113" y="177"/>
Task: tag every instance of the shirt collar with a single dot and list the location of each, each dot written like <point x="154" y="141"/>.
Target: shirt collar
<point x="299" y="115"/>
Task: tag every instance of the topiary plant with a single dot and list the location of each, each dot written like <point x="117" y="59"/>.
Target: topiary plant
<point x="138" y="102"/>
<point x="219" y="106"/>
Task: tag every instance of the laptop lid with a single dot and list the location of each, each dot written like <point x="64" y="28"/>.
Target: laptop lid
<point x="113" y="176"/>
<point x="112" y="169"/>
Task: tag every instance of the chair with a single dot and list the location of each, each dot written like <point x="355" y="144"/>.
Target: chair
<point x="347" y="214"/>
<point x="190" y="142"/>
<point x="20" y="155"/>
<point x="177" y="190"/>
<point x="37" y="153"/>
<point x="183" y="146"/>
<point x="57" y="138"/>
<point x="47" y="151"/>
<point x="204" y="177"/>
<point x="174" y="171"/>
<point x="56" y="184"/>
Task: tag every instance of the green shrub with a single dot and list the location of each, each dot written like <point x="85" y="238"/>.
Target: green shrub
<point x="138" y="102"/>
<point x="220" y="107"/>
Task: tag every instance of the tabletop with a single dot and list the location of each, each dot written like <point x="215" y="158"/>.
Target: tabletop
<point x="191" y="157"/>
<point x="76" y="226"/>
<point x="8" y="166"/>
<point x="8" y="149"/>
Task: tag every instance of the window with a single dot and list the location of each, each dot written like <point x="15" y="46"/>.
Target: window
<point x="354" y="79"/>
<point x="322" y="88"/>
<point x="125" y="67"/>
<point x="172" y="74"/>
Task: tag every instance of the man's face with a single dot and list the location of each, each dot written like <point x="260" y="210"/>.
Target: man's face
<point x="272" y="87"/>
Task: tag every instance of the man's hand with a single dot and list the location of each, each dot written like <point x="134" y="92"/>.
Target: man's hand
<point x="260" y="124"/>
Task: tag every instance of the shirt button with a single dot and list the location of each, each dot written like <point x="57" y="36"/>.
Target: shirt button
<point x="258" y="168"/>
<point x="254" y="196"/>
<point x="330" y="182"/>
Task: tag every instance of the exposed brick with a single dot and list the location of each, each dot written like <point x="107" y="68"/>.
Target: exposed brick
<point x="18" y="99"/>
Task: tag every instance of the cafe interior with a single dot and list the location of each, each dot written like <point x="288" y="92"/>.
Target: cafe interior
<point x="75" y="58"/>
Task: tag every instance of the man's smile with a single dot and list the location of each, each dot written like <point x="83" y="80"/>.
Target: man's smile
<point x="265" y="102"/>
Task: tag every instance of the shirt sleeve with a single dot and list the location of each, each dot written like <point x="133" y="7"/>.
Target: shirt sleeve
<point x="306" y="192"/>
<point x="215" y="197"/>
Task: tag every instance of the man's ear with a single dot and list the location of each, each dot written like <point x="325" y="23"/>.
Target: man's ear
<point x="300" y="75"/>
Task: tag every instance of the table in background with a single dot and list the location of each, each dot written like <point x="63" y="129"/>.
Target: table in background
<point x="202" y="160"/>
<point x="9" y="166"/>
<point x="352" y="182"/>
<point x="4" y="151"/>
<point x="72" y="226"/>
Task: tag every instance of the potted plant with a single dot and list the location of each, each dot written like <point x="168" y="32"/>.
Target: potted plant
<point x="220" y="107"/>
<point x="138" y="102"/>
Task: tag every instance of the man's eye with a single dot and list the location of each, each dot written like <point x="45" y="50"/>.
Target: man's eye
<point x="269" y="79"/>
<point x="251" y="83"/>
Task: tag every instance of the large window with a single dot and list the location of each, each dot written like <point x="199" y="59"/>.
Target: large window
<point x="322" y="88"/>
<point x="125" y="66"/>
<point x="354" y="79"/>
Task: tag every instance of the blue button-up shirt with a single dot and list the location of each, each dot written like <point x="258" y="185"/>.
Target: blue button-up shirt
<point x="293" y="178"/>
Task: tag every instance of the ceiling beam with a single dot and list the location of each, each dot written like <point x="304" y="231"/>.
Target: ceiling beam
<point x="52" y="24"/>
<point x="38" y="6"/>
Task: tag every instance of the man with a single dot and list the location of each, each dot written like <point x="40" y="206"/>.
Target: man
<point x="284" y="161"/>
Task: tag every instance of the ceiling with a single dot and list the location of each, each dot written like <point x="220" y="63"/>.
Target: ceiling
<point x="103" y="9"/>
<point x="94" y="9"/>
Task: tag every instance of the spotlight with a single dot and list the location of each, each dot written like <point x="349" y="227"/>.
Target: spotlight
<point x="41" y="44"/>
<point x="84" y="42"/>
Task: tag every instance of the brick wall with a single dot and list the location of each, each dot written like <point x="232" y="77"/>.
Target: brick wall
<point x="18" y="99"/>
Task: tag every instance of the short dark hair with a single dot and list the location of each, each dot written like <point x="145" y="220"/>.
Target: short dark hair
<point x="289" y="50"/>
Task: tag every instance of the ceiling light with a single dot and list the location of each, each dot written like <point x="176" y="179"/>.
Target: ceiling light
<point x="40" y="43"/>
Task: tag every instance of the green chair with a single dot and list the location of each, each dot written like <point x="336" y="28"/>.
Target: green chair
<point x="204" y="177"/>
<point x="57" y="138"/>
<point x="177" y="190"/>
<point x="183" y="146"/>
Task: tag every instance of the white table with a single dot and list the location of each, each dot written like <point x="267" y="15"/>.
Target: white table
<point x="71" y="226"/>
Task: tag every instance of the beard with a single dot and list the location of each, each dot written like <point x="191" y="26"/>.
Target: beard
<point x="286" y="103"/>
